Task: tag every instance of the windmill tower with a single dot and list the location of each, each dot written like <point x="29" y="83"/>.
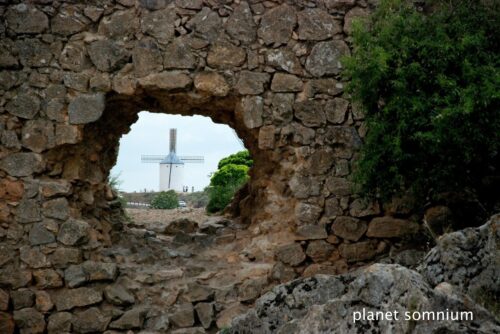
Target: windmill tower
<point x="171" y="165"/>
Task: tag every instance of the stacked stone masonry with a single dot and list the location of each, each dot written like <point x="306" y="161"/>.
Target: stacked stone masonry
<point x="73" y="77"/>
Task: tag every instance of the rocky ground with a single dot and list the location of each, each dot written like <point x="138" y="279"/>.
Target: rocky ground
<point x="183" y="271"/>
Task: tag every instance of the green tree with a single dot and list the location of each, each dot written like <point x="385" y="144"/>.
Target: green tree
<point x="428" y="84"/>
<point x="165" y="200"/>
<point x="240" y="158"/>
<point x="231" y="175"/>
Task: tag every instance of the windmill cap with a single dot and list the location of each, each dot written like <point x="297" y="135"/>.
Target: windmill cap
<point x="172" y="158"/>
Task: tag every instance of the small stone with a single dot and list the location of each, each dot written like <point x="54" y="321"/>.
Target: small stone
<point x="251" y="109"/>
<point x="283" y="82"/>
<point x="116" y="294"/>
<point x="361" y="208"/>
<point x="171" y="80"/>
<point x="39" y="235"/>
<point x="33" y="257"/>
<point x="133" y="318"/>
<point x="251" y="288"/>
<point x="28" y="211"/>
<point x="319" y="250"/>
<point x="389" y="227"/>
<point x="68" y="22"/>
<point x="321" y="161"/>
<point x="76" y="81"/>
<point x="15" y="279"/>
<point x="225" y="55"/>
<point x="316" y="24"/>
<point x="226" y="316"/>
<point x="34" y="53"/>
<point x="284" y="59"/>
<point x="197" y="292"/>
<point x="349" y="228"/>
<point x="291" y="254"/>
<point x="73" y="232"/>
<point x="311" y="232"/>
<point x="324" y="58"/>
<point x="56" y="208"/>
<point x="100" y="82"/>
<point x="283" y="273"/>
<point x="47" y="279"/>
<point x="282" y="107"/>
<point x="26" y="19"/>
<point x="251" y="83"/>
<point x="159" y="24"/>
<point x="86" y="108"/>
<point x="359" y="251"/>
<point x="74" y="57"/>
<point x="119" y="24"/>
<point x="90" y="321"/>
<point x="29" y="320"/>
<point x="62" y="257"/>
<point x="178" y="55"/>
<point x="211" y="83"/>
<point x="310" y="113"/>
<point x="51" y="188"/>
<point x="38" y="135"/>
<point x="206" y="23"/>
<point x="240" y="25"/>
<point x="74" y="276"/>
<point x="205" y="312"/>
<point x="22" y="298"/>
<point x="277" y="24"/>
<point x="23" y="106"/>
<point x="307" y="213"/>
<point x="108" y="55"/>
<point x="43" y="301"/>
<point x="60" y="322"/>
<point x="183" y="315"/>
<point x="69" y="298"/>
<point x="339" y="186"/>
<point x="267" y="137"/>
<point x="345" y="140"/>
<point x="100" y="271"/>
<point x="336" y="110"/>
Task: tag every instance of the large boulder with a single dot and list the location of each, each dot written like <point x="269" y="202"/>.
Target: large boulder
<point x="347" y="304"/>
<point x="460" y="277"/>
<point x="470" y="260"/>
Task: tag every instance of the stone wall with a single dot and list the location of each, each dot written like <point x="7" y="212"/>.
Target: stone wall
<point x="74" y="75"/>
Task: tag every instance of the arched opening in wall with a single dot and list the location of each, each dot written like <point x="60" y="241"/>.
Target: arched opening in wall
<point x="106" y="119"/>
<point x="168" y="161"/>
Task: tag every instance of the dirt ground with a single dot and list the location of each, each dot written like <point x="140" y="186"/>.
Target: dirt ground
<point x="145" y="216"/>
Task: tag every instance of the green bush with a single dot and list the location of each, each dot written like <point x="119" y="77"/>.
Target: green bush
<point x="240" y="158"/>
<point x="227" y="180"/>
<point x="428" y="84"/>
<point x="165" y="200"/>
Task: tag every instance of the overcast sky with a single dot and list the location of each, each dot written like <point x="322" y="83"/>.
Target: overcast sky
<point x="196" y="135"/>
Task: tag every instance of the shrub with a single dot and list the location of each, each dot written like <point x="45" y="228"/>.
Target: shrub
<point x="165" y="200"/>
<point x="428" y="85"/>
<point x="240" y="158"/>
<point x="227" y="180"/>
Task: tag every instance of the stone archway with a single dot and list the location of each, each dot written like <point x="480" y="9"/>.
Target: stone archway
<point x="73" y="78"/>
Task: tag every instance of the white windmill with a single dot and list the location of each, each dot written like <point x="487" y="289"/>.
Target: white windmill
<point x="171" y="165"/>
